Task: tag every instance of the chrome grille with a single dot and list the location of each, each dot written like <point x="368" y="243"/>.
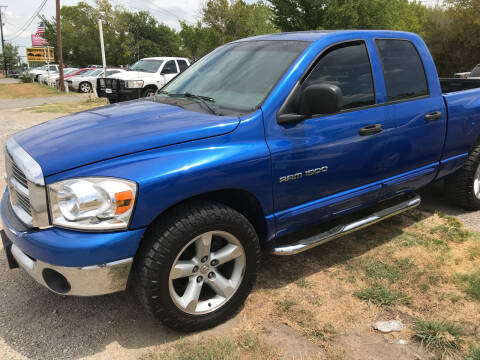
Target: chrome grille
<point x="18" y="188"/>
<point x="26" y="186"/>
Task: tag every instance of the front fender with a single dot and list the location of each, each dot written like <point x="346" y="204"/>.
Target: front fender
<point x="169" y="175"/>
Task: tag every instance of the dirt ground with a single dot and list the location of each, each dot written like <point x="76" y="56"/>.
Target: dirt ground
<point x="302" y="306"/>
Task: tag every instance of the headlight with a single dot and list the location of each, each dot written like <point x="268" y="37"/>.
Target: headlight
<point x="92" y="203"/>
<point x="134" y="84"/>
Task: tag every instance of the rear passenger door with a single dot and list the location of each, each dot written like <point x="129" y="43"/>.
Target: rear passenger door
<point x="182" y="64"/>
<point x="419" y="116"/>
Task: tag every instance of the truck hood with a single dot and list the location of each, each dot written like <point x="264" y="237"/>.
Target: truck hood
<point x="132" y="75"/>
<point x="111" y="131"/>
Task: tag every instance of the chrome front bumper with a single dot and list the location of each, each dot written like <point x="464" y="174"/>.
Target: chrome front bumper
<point x="76" y="281"/>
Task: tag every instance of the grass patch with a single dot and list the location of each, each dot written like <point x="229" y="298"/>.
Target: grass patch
<point x="285" y="304"/>
<point x="474" y="353"/>
<point x="471" y="284"/>
<point x="304" y="283"/>
<point x="440" y="336"/>
<point x="380" y="295"/>
<point x="246" y="346"/>
<point x="452" y="230"/>
<point x="393" y="272"/>
<point x="27" y="91"/>
<point x="68" y="107"/>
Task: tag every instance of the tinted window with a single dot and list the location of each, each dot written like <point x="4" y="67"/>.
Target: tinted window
<point x="182" y="64"/>
<point x="170" y="67"/>
<point x="403" y="69"/>
<point x="53" y="68"/>
<point x="348" y="67"/>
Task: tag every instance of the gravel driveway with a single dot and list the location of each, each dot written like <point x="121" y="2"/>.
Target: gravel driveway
<point x="37" y="324"/>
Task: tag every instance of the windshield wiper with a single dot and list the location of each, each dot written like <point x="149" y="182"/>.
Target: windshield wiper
<point x="203" y="99"/>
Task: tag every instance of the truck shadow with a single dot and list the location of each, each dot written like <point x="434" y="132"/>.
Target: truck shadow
<point x="38" y="324"/>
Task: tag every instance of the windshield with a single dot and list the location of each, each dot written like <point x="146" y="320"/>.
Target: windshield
<point x="475" y="72"/>
<point x="240" y="75"/>
<point x="92" y="72"/>
<point x="150" y="66"/>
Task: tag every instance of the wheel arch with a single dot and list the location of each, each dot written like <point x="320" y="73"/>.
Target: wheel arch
<point x="240" y="200"/>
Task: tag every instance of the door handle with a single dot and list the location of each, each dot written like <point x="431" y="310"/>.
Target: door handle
<point x="433" y="116"/>
<point x="371" y="130"/>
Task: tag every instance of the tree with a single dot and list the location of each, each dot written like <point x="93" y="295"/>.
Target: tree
<point x="11" y="55"/>
<point x="223" y="21"/>
<point x="293" y="15"/>
<point x="128" y="35"/>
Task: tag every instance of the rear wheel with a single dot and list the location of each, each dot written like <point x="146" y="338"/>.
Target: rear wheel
<point x="195" y="269"/>
<point x="463" y="187"/>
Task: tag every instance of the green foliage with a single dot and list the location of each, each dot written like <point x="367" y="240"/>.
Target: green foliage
<point x="223" y="21"/>
<point x="471" y="284"/>
<point x="443" y="336"/>
<point x="26" y="77"/>
<point x="380" y="270"/>
<point x="11" y="55"/>
<point x="474" y="353"/>
<point x="292" y="15"/>
<point x="285" y="304"/>
<point x="380" y="295"/>
<point x="128" y="36"/>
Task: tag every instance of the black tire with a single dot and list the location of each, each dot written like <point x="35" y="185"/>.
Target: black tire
<point x="87" y="85"/>
<point x="149" y="91"/>
<point x="460" y="186"/>
<point x="165" y="240"/>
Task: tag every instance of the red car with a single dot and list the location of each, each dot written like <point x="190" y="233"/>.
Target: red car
<point x="78" y="72"/>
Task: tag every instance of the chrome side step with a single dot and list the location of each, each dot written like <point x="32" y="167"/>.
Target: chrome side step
<point x="341" y="230"/>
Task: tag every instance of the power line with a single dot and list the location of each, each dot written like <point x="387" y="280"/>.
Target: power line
<point x="28" y="23"/>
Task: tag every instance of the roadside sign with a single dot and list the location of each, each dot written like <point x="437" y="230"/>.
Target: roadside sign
<point x="44" y="54"/>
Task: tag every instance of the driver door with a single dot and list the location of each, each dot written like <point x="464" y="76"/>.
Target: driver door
<point x="328" y="165"/>
<point x="169" y="71"/>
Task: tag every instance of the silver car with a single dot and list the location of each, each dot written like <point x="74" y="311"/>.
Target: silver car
<point x="86" y="82"/>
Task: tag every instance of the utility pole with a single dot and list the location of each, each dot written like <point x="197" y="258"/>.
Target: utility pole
<point x="102" y="47"/>
<point x="3" y="42"/>
<point x="59" y="48"/>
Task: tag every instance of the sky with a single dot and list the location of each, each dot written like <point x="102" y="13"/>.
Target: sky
<point x="19" y="11"/>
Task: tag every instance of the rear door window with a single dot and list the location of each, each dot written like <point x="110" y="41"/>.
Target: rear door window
<point x="170" y="68"/>
<point x="348" y="67"/>
<point x="182" y="64"/>
<point x="403" y="69"/>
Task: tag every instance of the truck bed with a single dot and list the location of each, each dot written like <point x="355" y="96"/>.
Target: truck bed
<point x="450" y="85"/>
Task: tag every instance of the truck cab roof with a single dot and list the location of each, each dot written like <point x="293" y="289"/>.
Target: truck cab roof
<point x="314" y="35"/>
<point x="164" y="58"/>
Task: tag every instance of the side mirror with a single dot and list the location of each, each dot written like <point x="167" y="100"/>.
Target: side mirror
<point x="321" y="99"/>
<point x="316" y="99"/>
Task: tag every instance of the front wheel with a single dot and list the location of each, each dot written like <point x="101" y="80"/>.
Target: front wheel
<point x="85" y="87"/>
<point x="196" y="268"/>
<point x="463" y="187"/>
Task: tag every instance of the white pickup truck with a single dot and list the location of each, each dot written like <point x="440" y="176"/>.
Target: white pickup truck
<point x="142" y="79"/>
<point x="45" y="69"/>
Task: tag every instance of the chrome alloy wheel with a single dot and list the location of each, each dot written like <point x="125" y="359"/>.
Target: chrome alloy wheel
<point x="207" y="272"/>
<point x="476" y="183"/>
<point x="85" y="87"/>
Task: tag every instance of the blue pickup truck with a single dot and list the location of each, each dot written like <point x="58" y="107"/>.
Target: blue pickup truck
<point x="175" y="196"/>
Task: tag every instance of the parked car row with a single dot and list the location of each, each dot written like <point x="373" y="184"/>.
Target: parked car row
<point x="142" y="79"/>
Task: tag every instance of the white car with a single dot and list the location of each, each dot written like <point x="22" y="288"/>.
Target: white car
<point x="87" y="82"/>
<point x="150" y="74"/>
<point x="45" y="69"/>
<point x="51" y="78"/>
